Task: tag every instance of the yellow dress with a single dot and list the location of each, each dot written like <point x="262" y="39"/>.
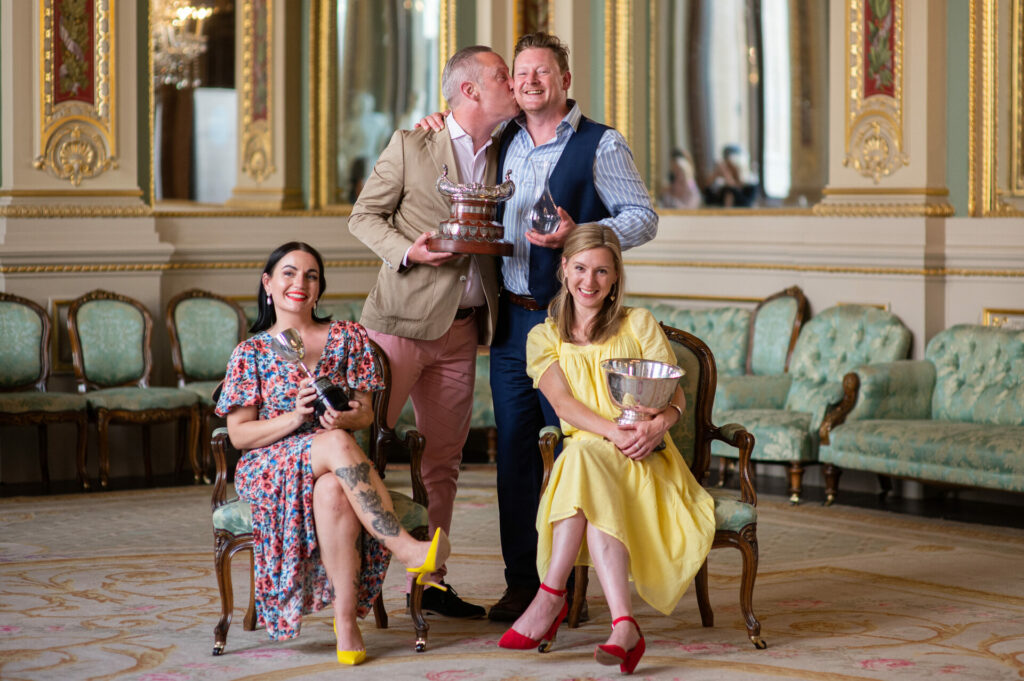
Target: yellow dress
<point x="655" y="507"/>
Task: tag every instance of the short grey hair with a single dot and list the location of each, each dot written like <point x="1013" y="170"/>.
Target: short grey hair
<point x="461" y="66"/>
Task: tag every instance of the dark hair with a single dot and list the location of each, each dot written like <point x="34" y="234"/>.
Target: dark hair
<point x="545" y="40"/>
<point x="265" y="315"/>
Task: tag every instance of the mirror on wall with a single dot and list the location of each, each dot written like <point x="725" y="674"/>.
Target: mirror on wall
<point x="192" y="43"/>
<point x="387" y="78"/>
<point x="738" y="103"/>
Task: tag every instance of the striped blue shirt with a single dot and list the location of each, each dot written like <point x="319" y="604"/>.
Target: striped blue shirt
<point x="616" y="178"/>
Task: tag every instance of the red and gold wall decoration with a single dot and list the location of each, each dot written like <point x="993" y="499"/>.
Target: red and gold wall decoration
<point x="874" y="119"/>
<point x="77" y="134"/>
<point x="257" y="90"/>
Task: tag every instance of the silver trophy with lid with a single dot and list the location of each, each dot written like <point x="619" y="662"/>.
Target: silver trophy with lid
<point x="470" y="227"/>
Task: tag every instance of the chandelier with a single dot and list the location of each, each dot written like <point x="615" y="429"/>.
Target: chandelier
<point x="177" y="42"/>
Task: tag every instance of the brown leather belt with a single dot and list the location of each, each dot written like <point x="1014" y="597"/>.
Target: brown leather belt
<point x="464" y="312"/>
<point x="525" y="302"/>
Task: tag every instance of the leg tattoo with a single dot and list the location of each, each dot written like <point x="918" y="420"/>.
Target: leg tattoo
<point x="353" y="475"/>
<point x="384" y="522"/>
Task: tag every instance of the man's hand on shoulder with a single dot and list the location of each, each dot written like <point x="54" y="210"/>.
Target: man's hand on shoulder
<point x="434" y="121"/>
<point x="419" y="254"/>
<point x="555" y="239"/>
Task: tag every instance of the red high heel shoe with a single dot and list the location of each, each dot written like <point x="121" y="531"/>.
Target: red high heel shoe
<point x="513" y="639"/>
<point x="626" y="659"/>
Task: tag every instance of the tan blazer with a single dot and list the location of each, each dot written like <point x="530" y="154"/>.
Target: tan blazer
<point x="398" y="203"/>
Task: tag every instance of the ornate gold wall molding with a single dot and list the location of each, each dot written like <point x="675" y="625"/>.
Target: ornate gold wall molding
<point x="831" y="269"/>
<point x="446" y="44"/>
<point x="983" y="197"/>
<point x="618" y="67"/>
<point x="76" y="84"/>
<point x="1017" y="112"/>
<point x="164" y="267"/>
<point x="257" y="141"/>
<point x="73" y="211"/>
<point x="874" y="62"/>
<point x="900" y="210"/>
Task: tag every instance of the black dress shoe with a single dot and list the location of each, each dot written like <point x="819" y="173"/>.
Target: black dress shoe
<point x="512" y="603"/>
<point x="447" y="604"/>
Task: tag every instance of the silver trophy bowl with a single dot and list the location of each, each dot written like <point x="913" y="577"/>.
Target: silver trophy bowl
<point x="288" y="346"/>
<point x="641" y="388"/>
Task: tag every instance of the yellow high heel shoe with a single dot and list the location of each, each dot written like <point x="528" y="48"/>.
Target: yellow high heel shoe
<point x="431" y="563"/>
<point x="349" y="657"/>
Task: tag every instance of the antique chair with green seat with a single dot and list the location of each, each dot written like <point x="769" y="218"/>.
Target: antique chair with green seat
<point x="111" y="348"/>
<point x="785" y="412"/>
<point x="735" y="516"/>
<point x="774" y="329"/>
<point x="232" y="519"/>
<point x="204" y="330"/>
<point x="24" y="371"/>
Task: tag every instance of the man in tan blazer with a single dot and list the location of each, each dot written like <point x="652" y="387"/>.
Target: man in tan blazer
<point x="429" y="311"/>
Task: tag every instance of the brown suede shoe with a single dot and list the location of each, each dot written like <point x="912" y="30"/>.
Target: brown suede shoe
<point x="512" y="603"/>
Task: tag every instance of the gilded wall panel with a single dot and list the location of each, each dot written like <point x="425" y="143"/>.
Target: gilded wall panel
<point x="874" y="108"/>
<point x="77" y="126"/>
<point x="996" y="171"/>
<point x="257" y="89"/>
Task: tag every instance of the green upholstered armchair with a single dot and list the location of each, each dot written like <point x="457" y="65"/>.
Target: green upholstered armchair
<point x="204" y="330"/>
<point x="786" y="422"/>
<point x="735" y="515"/>
<point x="955" y="417"/>
<point x="24" y="371"/>
<point x="232" y="519"/>
<point x="110" y="345"/>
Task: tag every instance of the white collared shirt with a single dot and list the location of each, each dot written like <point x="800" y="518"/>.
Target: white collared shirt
<point x="471" y="169"/>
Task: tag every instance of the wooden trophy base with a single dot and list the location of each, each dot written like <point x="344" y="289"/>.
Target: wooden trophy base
<point x="442" y="245"/>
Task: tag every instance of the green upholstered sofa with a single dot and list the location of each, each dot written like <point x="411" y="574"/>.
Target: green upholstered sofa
<point x="955" y="417"/>
<point x="784" y="412"/>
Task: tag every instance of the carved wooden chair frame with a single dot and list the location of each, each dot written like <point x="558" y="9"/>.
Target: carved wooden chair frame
<point x="206" y="413"/>
<point x="227" y="544"/>
<point x="745" y="540"/>
<point x="803" y="313"/>
<point x="80" y="417"/>
<point x="187" y="417"/>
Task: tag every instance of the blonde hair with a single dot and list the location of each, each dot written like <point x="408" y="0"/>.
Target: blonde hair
<point x="563" y="308"/>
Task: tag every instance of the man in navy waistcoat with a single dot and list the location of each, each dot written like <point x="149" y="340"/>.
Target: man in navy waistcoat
<point x="592" y="179"/>
<point x="590" y="172"/>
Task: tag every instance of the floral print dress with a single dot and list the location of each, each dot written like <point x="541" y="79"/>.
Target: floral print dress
<point x="277" y="480"/>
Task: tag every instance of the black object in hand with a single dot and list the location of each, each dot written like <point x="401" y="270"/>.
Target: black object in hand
<point x="328" y="394"/>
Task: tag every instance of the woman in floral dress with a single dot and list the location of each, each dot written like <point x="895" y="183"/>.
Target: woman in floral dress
<point x="311" y="488"/>
<point x="615" y="499"/>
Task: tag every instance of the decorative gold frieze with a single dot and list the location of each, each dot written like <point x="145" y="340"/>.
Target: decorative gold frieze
<point x="164" y="267"/>
<point x="900" y="210"/>
<point x="257" y="89"/>
<point x="73" y="211"/>
<point x="874" y="62"/>
<point x="77" y="102"/>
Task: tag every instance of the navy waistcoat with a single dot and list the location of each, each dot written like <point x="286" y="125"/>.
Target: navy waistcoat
<point x="572" y="188"/>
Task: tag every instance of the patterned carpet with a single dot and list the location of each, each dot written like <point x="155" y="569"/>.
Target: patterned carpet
<point x="120" y="585"/>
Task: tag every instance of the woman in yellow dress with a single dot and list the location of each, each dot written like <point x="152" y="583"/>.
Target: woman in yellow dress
<point x="613" y="501"/>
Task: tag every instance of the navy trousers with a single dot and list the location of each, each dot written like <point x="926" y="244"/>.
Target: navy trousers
<point x="519" y="413"/>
